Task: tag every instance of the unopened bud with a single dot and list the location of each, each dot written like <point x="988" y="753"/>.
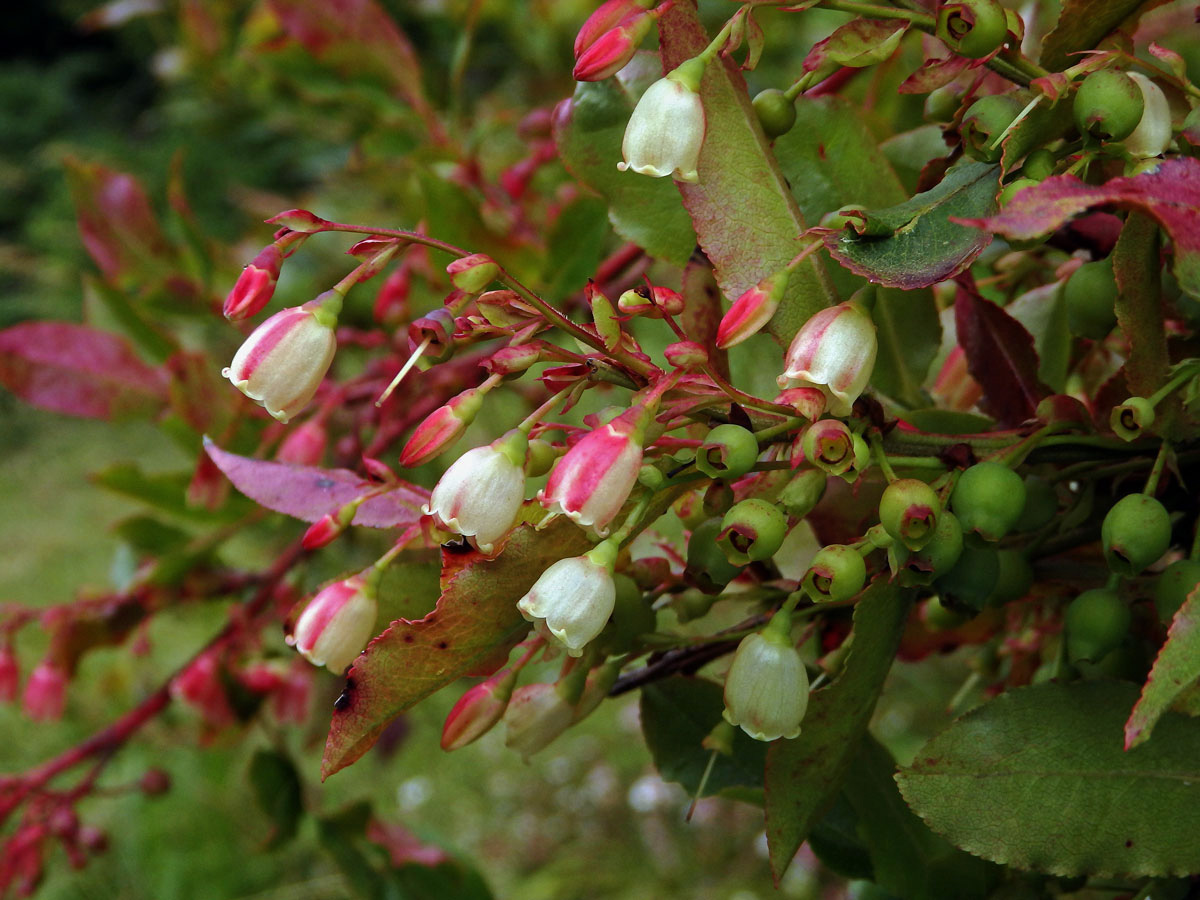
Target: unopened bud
<point x="808" y="402"/>
<point x="604" y="316"/>
<point x="154" y="782"/>
<point x="473" y="273"/>
<point x="441" y="428"/>
<point x="327" y="528"/>
<point x="45" y="692"/>
<point x="256" y="285"/>
<point x="752" y="310"/>
<point x="304" y="446"/>
<point x="686" y="355"/>
<point x="478" y="710"/>
<point x="336" y="624"/>
<point x="833" y="351"/>
<point x="512" y="360"/>
<point x="300" y="220"/>
<point x="654" y="302"/>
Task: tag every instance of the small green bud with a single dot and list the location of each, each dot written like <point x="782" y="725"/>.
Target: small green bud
<point x="1095" y="623"/>
<point x="1039" y="165"/>
<point x="988" y="499"/>
<point x="706" y="563"/>
<point x="776" y="113"/>
<point x="801" y="495"/>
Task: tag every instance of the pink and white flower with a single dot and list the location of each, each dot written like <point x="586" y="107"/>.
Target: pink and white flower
<point x="336" y="624"/>
<point x="480" y="495"/>
<point x="574" y="597"/>
<point x="284" y="360"/>
<point x="835" y="352"/>
<point x="666" y="131"/>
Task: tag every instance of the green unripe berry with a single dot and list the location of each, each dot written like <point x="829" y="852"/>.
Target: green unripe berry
<point x="988" y="500"/>
<point x="937" y="557"/>
<point x="937" y="616"/>
<point x="1090" y="295"/>
<point x="693" y="604"/>
<point x="837" y="573"/>
<point x="984" y="122"/>
<point x="908" y="511"/>
<point x="1108" y="105"/>
<point x="942" y="103"/>
<point x="1041" y="504"/>
<point x="752" y="530"/>
<point x="1135" y="533"/>
<point x="706" y="563"/>
<point x="1131" y="418"/>
<point x="1013" y="188"/>
<point x="1039" y="165"/>
<point x="1175" y="583"/>
<point x="1095" y="622"/>
<point x="972" y="28"/>
<point x="729" y="451"/>
<point x="973" y="578"/>
<point x="1014" y="577"/>
<point x="776" y="113"/>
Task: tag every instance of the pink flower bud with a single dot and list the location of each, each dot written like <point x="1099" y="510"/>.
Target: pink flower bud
<point x="10" y="674"/>
<point x="686" y="355"/>
<point x="256" y="285"/>
<point x="608" y="53"/>
<point x="513" y="360"/>
<point x="304" y="446"/>
<point x="536" y="715"/>
<point x="666" y="130"/>
<point x="284" y="360"/>
<point x="202" y="685"/>
<point x="478" y="710"/>
<point x="593" y="480"/>
<point x="766" y="690"/>
<point x="574" y="597"/>
<point x="654" y="302"/>
<point x="336" y="624"/>
<point x="45" y="692"/>
<point x="835" y="352"/>
<point x="300" y="220"/>
<point x="607" y="16"/>
<point x="752" y="310"/>
<point x="326" y="529"/>
<point x="481" y="493"/>
<point x="473" y="273"/>
<point x="441" y="428"/>
<point x="808" y="402"/>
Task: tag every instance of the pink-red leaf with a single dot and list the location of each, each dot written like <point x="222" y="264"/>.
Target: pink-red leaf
<point x="116" y="223"/>
<point x="475" y="617"/>
<point x="310" y="493"/>
<point x="1000" y="356"/>
<point x="1170" y="194"/>
<point x="79" y="371"/>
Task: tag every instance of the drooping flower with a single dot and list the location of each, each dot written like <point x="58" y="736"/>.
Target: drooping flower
<point x="336" y="624"/>
<point x="666" y="130"/>
<point x="592" y="481"/>
<point x="835" y="352"/>
<point x="284" y="360"/>
<point x="481" y="493"/>
<point x="574" y="597"/>
<point x="766" y="690"/>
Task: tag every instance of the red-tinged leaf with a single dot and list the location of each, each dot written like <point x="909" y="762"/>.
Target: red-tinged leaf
<point x="1000" y="356"/>
<point x="79" y="371"/>
<point x="1082" y="24"/>
<point x="308" y="493"/>
<point x="1169" y="194"/>
<point x="1176" y="669"/>
<point x="746" y="219"/>
<point x="475" y="617"/>
<point x="804" y="775"/>
<point x="933" y="74"/>
<point x="116" y="222"/>
<point x="356" y="36"/>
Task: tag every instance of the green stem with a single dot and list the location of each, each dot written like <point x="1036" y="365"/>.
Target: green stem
<point x="874" y="11"/>
<point x="1160" y="463"/>
<point x="765" y="434"/>
<point x="1185" y="374"/>
<point x="716" y="43"/>
<point x="881" y="457"/>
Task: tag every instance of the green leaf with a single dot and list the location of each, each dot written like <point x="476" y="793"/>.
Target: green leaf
<point x="1037" y="779"/>
<point x="910" y="332"/>
<point x="340" y="835"/>
<point x="804" y="775"/>
<point x="278" y="792"/>
<point x="1139" y="304"/>
<point x="745" y="217"/>
<point x="836" y="842"/>
<point x="948" y="421"/>
<point x="1044" y="315"/>
<point x="1176" y="669"/>
<point x="476" y="618"/>
<point x="575" y="246"/>
<point x="907" y="858"/>
<point x="644" y="210"/>
<point x="677" y="714"/>
<point x="1083" y="23"/>
<point x="915" y="244"/>
<point x="107" y="302"/>
<point x="830" y="160"/>
<point x="165" y="492"/>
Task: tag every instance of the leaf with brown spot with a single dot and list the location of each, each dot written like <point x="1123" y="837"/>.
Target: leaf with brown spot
<point x="475" y="618"/>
